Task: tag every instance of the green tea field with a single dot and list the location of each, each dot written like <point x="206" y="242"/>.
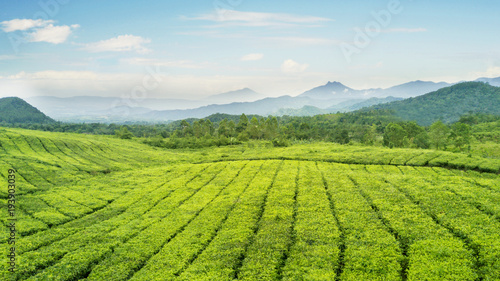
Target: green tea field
<point x="100" y="208"/>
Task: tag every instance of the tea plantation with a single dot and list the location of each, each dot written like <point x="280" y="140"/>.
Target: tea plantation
<point x="100" y="208"/>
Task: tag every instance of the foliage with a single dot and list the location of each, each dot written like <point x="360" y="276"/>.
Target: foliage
<point x="124" y="133"/>
<point x="439" y="134"/>
<point x="460" y="135"/>
<point x="394" y="136"/>
<point x="280" y="142"/>
<point x="16" y="110"/>
<point x="448" y="104"/>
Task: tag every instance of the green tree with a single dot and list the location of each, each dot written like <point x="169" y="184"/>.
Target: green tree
<point x="254" y="128"/>
<point x="197" y="129"/>
<point x="438" y="134"/>
<point x="231" y="126"/>
<point x="422" y="140"/>
<point x="124" y="133"/>
<point x="342" y="136"/>
<point x="460" y="135"/>
<point x="412" y="129"/>
<point x="271" y="128"/>
<point x="242" y="124"/>
<point x="223" y="130"/>
<point x="186" y="128"/>
<point x="209" y="128"/>
<point x="394" y="135"/>
<point x="304" y="131"/>
<point x="370" y="136"/>
<point x="416" y="135"/>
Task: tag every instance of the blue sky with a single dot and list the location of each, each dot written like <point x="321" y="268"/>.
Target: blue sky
<point x="193" y="49"/>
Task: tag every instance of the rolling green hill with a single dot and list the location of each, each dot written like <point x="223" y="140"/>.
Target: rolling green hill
<point x="101" y="208"/>
<point x="16" y="110"/>
<point x="448" y="104"/>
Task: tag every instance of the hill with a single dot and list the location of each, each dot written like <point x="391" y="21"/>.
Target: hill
<point x="16" y="110"/>
<point x="447" y="104"/>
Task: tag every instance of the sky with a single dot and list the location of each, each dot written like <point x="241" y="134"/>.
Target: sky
<point x="197" y="48"/>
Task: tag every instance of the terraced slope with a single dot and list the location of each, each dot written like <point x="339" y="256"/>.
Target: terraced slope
<point x="97" y="208"/>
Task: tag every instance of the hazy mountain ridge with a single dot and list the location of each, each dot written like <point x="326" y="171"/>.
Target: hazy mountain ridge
<point x="328" y="98"/>
<point x="341" y="92"/>
<point x="413" y="89"/>
<point x="243" y="95"/>
<point x="347" y="106"/>
<point x="492" y="81"/>
<point x="260" y="107"/>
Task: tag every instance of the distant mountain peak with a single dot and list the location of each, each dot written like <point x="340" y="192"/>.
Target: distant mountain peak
<point x="329" y="91"/>
<point x="242" y="95"/>
<point x="244" y="90"/>
<point x="335" y="84"/>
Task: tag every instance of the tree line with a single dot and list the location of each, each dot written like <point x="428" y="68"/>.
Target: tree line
<point x="375" y="127"/>
<point x="370" y="128"/>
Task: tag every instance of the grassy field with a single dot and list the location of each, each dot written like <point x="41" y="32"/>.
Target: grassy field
<point x="99" y="208"/>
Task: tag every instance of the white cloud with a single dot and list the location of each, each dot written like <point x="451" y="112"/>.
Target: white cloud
<point x="52" y="34"/>
<point x="23" y="24"/>
<point x="40" y="30"/>
<point x="290" y="66"/>
<point x="491" y="72"/>
<point x="252" y="57"/>
<point x="233" y="17"/>
<point x="122" y="43"/>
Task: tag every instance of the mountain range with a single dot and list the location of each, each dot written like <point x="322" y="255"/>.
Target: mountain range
<point x="328" y="98"/>
<point x="447" y="104"/>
